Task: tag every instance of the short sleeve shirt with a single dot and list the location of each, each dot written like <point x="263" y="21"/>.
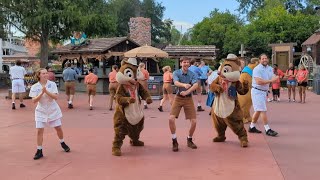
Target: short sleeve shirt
<point x="205" y="70"/>
<point x="47" y="108"/>
<point x="17" y="72"/>
<point x="196" y="70"/>
<point x="187" y="78"/>
<point x="263" y="72"/>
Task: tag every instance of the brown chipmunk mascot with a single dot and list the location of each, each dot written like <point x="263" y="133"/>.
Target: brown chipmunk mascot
<point x="226" y="111"/>
<point x="128" y="117"/>
<point x="245" y="100"/>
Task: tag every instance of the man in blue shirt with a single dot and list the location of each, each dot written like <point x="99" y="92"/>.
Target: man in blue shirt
<point x="206" y="71"/>
<point x="197" y="71"/>
<point x="70" y="76"/>
<point x="187" y="82"/>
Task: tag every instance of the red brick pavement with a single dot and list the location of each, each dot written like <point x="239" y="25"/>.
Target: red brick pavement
<point x="292" y="155"/>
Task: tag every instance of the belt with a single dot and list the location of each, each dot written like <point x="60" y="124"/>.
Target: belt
<point x="70" y="80"/>
<point x="189" y="95"/>
<point x="91" y="84"/>
<point x="260" y="89"/>
<point x="16" y="78"/>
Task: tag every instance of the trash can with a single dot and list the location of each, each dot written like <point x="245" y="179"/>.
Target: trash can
<point x="155" y="87"/>
<point x="316" y="84"/>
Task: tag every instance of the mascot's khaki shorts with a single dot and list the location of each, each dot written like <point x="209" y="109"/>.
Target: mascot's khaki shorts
<point x="91" y="89"/>
<point x="70" y="87"/>
<point x="187" y="104"/>
<point x="113" y="88"/>
<point x="167" y="88"/>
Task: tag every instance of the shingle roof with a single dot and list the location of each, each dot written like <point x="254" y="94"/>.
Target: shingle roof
<point x="191" y="49"/>
<point x="313" y="39"/>
<point x="95" y="45"/>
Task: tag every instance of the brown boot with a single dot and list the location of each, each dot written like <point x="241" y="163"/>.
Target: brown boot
<point x="191" y="144"/>
<point x="219" y="139"/>
<point x="136" y="143"/>
<point x="175" y="145"/>
<point x="116" y="151"/>
<point x="244" y="144"/>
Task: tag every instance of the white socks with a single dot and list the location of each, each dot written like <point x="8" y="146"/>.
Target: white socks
<point x="252" y="125"/>
<point x="69" y="102"/>
<point x="266" y="127"/>
<point x="174" y="136"/>
<point x="199" y="104"/>
<point x="189" y="137"/>
<point x="61" y="140"/>
<point x="145" y="103"/>
<point x="39" y="147"/>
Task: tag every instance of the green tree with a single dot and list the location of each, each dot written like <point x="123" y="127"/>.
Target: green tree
<point x="275" y="24"/>
<point x="251" y="7"/>
<point x="217" y="30"/>
<point x="3" y="32"/>
<point x="154" y="11"/>
<point x="123" y="10"/>
<point x="44" y="20"/>
<point x="175" y="36"/>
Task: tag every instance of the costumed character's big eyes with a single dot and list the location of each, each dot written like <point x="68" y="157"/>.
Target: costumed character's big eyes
<point x="128" y="72"/>
<point x="227" y="69"/>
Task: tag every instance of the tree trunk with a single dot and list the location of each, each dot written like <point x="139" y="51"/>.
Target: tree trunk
<point x="44" y="52"/>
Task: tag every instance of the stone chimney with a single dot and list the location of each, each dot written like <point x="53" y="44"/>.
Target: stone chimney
<point x="140" y="30"/>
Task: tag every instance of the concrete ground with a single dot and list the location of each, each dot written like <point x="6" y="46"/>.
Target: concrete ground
<point x="292" y="155"/>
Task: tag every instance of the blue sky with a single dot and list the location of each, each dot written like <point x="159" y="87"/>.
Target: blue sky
<point x="186" y="13"/>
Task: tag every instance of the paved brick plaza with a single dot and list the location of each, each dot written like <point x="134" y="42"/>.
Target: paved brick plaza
<point x="292" y="155"/>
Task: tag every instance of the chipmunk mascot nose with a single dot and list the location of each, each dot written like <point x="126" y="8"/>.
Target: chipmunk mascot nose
<point x="226" y="111"/>
<point x="128" y="117"/>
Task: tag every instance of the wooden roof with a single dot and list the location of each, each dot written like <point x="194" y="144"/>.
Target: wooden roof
<point x="100" y="45"/>
<point x="313" y="39"/>
<point x="205" y="50"/>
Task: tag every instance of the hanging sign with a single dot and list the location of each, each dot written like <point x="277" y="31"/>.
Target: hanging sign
<point x="78" y="39"/>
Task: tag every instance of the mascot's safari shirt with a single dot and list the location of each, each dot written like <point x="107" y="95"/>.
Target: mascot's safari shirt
<point x="259" y="92"/>
<point x="187" y="78"/>
<point x="47" y="109"/>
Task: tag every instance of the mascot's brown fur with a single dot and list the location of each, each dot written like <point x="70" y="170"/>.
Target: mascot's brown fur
<point x="226" y="111"/>
<point x="245" y="100"/>
<point x="128" y="117"/>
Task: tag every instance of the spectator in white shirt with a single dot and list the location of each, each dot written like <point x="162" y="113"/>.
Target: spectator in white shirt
<point x="17" y="74"/>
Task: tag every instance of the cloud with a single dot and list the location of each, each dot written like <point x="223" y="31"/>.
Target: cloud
<point x="181" y="25"/>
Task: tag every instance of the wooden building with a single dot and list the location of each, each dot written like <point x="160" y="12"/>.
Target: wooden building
<point x="205" y="52"/>
<point x="100" y="53"/>
<point x="282" y="54"/>
<point x="312" y="46"/>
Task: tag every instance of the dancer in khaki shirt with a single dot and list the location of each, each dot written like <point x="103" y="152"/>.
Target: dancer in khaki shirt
<point x="113" y="85"/>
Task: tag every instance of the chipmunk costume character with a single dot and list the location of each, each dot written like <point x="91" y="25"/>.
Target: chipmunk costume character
<point x="245" y="100"/>
<point x="226" y="111"/>
<point x="128" y="117"/>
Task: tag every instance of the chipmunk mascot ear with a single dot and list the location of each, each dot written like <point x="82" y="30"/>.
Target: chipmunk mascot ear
<point x="245" y="100"/>
<point x="128" y="117"/>
<point x="226" y="110"/>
